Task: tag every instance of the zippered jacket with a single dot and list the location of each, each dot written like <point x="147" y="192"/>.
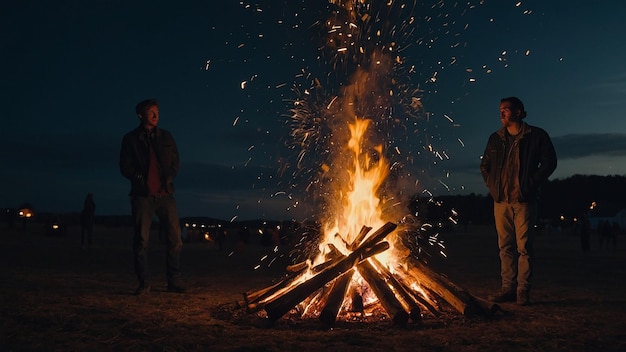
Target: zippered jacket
<point x="537" y="161"/>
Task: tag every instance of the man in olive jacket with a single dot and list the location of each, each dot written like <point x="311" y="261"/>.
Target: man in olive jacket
<point x="149" y="159"/>
<point x="517" y="160"/>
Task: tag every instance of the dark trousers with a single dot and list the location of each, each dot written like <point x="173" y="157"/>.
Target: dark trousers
<point x="143" y="210"/>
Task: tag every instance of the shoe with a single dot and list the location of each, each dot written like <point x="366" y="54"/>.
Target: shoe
<point x="142" y="289"/>
<point x="523" y="298"/>
<point x="176" y="288"/>
<point x="504" y="295"/>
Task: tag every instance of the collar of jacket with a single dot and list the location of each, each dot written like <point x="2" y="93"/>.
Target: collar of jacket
<point x="143" y="133"/>
<point x="525" y="129"/>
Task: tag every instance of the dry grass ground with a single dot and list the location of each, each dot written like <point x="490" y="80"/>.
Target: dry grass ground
<point x="57" y="297"/>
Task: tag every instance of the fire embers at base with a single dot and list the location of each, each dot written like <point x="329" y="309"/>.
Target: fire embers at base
<point x="358" y="285"/>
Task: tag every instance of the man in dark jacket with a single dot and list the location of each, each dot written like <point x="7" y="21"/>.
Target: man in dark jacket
<point x="517" y="160"/>
<point x="149" y="159"/>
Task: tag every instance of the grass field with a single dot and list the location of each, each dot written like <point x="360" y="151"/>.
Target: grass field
<point x="56" y="296"/>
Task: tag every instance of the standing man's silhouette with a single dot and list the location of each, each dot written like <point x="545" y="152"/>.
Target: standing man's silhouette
<point x="149" y="159"/>
<point x="517" y="160"/>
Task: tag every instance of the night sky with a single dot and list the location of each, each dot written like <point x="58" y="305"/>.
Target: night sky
<point x="224" y="73"/>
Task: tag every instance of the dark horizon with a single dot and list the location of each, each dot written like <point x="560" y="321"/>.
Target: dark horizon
<point x="570" y="197"/>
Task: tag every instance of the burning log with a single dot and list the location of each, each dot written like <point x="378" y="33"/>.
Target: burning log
<point x="395" y="292"/>
<point x="281" y="305"/>
<point x="298" y="267"/>
<point x="340" y="288"/>
<point x="253" y="300"/>
<point x="385" y="295"/>
<point x="415" y="298"/>
<point x="335" y="298"/>
<point x="377" y="236"/>
<point x="359" y="238"/>
<point x="378" y="277"/>
<point x="457" y="297"/>
<point x="408" y="296"/>
<point x="332" y="257"/>
<point x="278" y="306"/>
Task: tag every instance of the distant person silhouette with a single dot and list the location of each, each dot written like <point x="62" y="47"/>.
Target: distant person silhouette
<point x="87" y="217"/>
<point x="585" y="233"/>
<point x="517" y="160"/>
<point x="149" y="159"/>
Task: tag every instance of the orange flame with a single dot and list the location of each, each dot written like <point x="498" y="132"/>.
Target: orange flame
<point x="361" y="203"/>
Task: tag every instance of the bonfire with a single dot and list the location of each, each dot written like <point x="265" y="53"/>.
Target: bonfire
<point x="358" y="271"/>
<point x="362" y="263"/>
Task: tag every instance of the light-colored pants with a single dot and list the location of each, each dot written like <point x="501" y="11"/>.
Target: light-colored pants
<point x="514" y="224"/>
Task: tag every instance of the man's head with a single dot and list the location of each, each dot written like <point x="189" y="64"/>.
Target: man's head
<point x="511" y="111"/>
<point x="516" y="105"/>
<point x="148" y="113"/>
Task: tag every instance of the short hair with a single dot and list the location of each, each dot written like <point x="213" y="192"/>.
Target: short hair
<point x="143" y="106"/>
<point x="516" y="103"/>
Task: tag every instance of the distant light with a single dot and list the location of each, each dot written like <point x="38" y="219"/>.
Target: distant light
<point x="25" y="213"/>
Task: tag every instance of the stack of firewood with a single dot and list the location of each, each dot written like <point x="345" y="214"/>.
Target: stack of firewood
<point x="329" y="283"/>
